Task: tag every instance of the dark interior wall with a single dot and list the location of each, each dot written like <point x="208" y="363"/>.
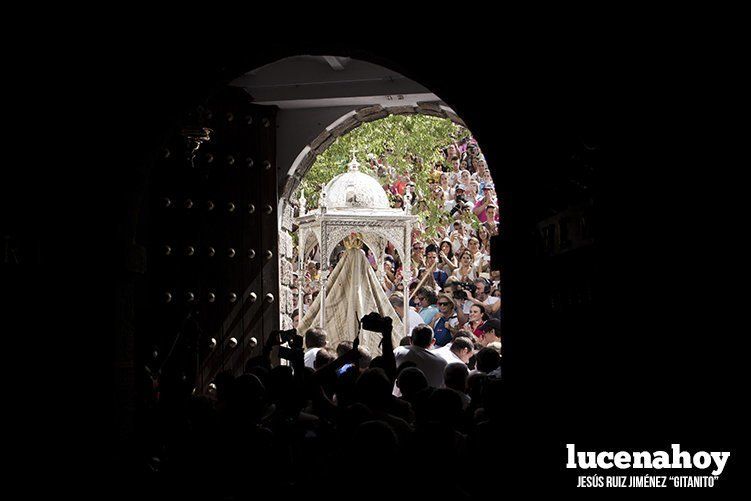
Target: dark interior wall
<point x="645" y="359"/>
<point x="548" y="123"/>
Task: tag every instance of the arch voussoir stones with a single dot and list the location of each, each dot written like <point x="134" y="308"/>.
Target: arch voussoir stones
<point x="432" y="109"/>
<point x="372" y="113"/>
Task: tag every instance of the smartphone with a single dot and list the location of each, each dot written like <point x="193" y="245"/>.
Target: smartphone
<point x="344" y="368"/>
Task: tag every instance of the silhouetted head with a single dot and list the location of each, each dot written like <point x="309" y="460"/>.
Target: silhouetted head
<point x="475" y="384"/>
<point x="280" y="381"/>
<point x="488" y="360"/>
<point x="492" y="397"/>
<point x="374" y="388"/>
<point x="323" y="357"/>
<point x="422" y="336"/>
<point x="410" y="381"/>
<point x="376" y="440"/>
<point x="377" y="362"/>
<point x="365" y="358"/>
<point x="444" y="406"/>
<point x="262" y="373"/>
<point x="404" y="365"/>
<point x="343" y="347"/>
<point x="351" y="417"/>
<point x="246" y="398"/>
<point x="455" y="377"/>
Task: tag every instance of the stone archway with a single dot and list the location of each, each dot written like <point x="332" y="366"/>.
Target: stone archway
<point x="346" y="124"/>
<point x="304" y="162"/>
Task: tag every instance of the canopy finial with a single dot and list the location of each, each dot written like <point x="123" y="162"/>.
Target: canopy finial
<point x="354" y="165"/>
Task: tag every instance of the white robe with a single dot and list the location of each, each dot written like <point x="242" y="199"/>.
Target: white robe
<point x="352" y="291"/>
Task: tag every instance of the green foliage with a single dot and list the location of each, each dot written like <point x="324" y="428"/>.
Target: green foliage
<point x="408" y="143"/>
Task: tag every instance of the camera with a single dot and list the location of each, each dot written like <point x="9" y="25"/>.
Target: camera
<point x="376" y="323"/>
<point x="461" y="204"/>
<point x="289" y="336"/>
<point x="290" y="353"/>
<point x="285" y="336"/>
<point x="466" y="286"/>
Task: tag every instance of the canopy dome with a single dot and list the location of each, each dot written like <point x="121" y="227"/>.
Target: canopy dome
<point x="355" y="190"/>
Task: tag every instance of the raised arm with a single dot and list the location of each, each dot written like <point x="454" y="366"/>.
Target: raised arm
<point x="375" y="322"/>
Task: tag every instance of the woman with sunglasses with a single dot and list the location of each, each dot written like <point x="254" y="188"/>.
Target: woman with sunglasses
<point x="418" y="255"/>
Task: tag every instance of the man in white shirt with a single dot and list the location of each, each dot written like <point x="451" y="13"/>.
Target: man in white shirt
<point x="315" y="339"/>
<point x="428" y="362"/>
<point x="459" y="351"/>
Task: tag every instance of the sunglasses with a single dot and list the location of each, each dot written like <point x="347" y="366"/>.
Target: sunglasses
<point x="444" y="304"/>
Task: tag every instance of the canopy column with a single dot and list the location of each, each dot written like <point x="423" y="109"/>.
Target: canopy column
<point x="406" y="273"/>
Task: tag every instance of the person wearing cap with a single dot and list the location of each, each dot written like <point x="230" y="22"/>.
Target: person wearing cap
<point x="491" y="332"/>
<point x="459" y="202"/>
<point x="446" y="322"/>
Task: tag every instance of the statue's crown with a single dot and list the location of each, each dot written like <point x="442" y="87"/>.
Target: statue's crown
<point x="353" y="241"/>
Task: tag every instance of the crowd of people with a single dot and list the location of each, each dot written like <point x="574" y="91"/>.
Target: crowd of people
<point x="422" y="420"/>
<point x="452" y="286"/>
<point x="338" y="421"/>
